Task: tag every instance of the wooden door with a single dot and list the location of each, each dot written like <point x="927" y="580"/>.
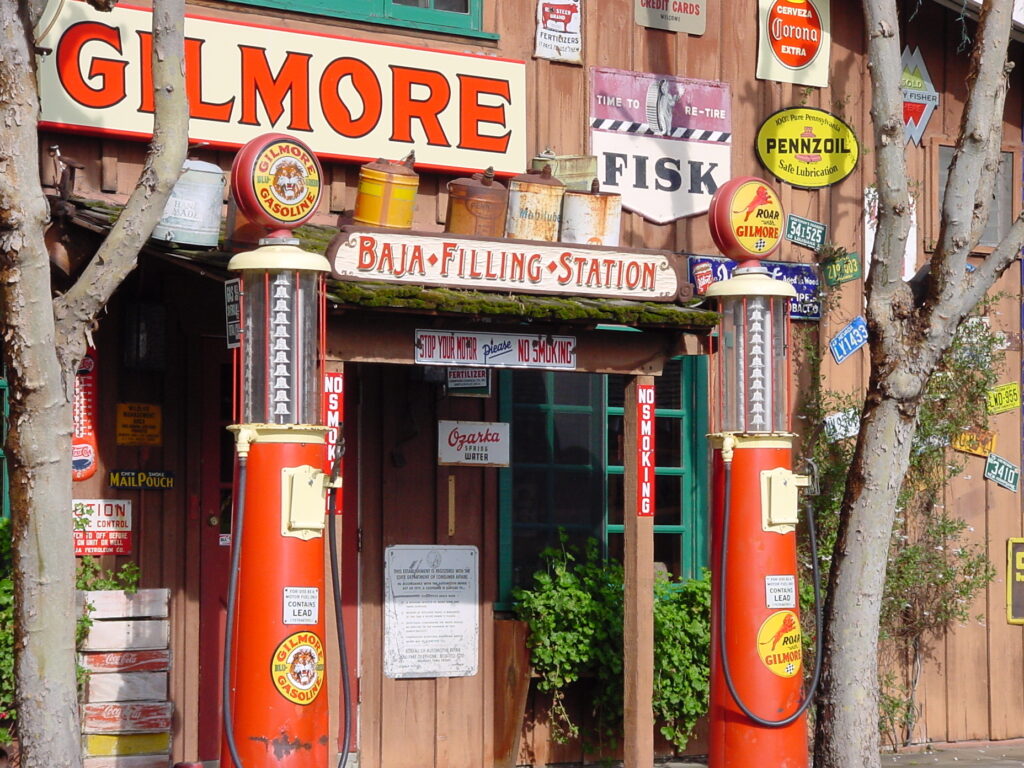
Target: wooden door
<point x="215" y="500"/>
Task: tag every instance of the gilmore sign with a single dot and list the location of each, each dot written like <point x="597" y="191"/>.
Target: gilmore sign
<point x="503" y="265"/>
<point x="346" y="98"/>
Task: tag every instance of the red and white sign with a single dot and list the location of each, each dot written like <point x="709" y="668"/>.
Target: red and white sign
<point x="106" y="526"/>
<point x="480" y="443"/>
<point x="127" y="661"/>
<point x="83" y="438"/>
<point x="559" y="36"/>
<point x="504" y="265"/>
<point x="645" y="450"/>
<point x="495" y="350"/>
<point x="664" y="143"/>
<point x="334" y="419"/>
<point x="127" y="717"/>
<point x="794" y="38"/>
<point x="346" y="98"/>
<point x="689" y="16"/>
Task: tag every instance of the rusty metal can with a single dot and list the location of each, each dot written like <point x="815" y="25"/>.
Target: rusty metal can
<point x="591" y="218"/>
<point x="386" y="196"/>
<point x="476" y="206"/>
<point x="534" y="206"/>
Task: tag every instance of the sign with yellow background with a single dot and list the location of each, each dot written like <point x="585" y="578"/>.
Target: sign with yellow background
<point x="807" y="147"/>
<point x="779" y="643"/>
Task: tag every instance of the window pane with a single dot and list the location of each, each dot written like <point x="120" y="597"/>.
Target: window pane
<point x="617" y="390"/>
<point x="530" y="437"/>
<point x="615" y="500"/>
<point x="667" y="504"/>
<point x="577" y="500"/>
<point x="529" y="496"/>
<point x="667" y="548"/>
<point x="667" y="449"/>
<point x="615" y="441"/>
<point x="456" y="6"/>
<point x="529" y="387"/>
<point x="572" y="439"/>
<point x="572" y="388"/>
<point x="668" y="387"/>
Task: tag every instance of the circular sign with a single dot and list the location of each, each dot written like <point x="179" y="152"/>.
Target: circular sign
<point x="276" y="181"/>
<point x="807" y="147"/>
<point x="298" y="667"/>
<point x="794" y="32"/>
<point x="779" y="643"/>
<point x="746" y="218"/>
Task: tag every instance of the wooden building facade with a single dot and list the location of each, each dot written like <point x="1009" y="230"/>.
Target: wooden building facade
<point x="162" y="343"/>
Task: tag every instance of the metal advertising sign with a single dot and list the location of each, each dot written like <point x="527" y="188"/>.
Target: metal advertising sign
<point x="841" y="268"/>
<point x="276" y="181"/>
<point x="468" y="382"/>
<point x="559" y="36"/>
<point x="504" y="265"/>
<point x="689" y="16"/>
<point x="664" y="143"/>
<point x="233" y="312"/>
<point x="103" y="526"/>
<point x="805" y="232"/>
<point x="1015" y="581"/>
<point x="842" y="424"/>
<point x="807" y="147"/>
<point x="347" y="98"/>
<point x="1004" y="398"/>
<point x="806" y="305"/>
<point x="919" y="95"/>
<point x="139" y="424"/>
<point x="794" y="38"/>
<point x="496" y="350"/>
<point x="141" y="480"/>
<point x="83" y="437"/>
<point x="745" y="218"/>
<point x="850" y="339"/>
<point x="1002" y="472"/>
<point x="334" y="420"/>
<point x="979" y="442"/>
<point x="479" y="443"/>
<point x="645" y="450"/>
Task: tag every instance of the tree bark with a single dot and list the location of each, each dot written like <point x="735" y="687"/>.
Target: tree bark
<point x="906" y="338"/>
<point x="43" y="342"/>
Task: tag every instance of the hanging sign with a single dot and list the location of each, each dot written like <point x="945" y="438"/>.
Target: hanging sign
<point x="806" y="305"/>
<point x="794" y="38"/>
<point x="139" y="424"/>
<point x="919" y="95"/>
<point x="1015" y="581"/>
<point x="102" y="526"/>
<point x="745" y="218"/>
<point x="468" y="382"/>
<point x="645" y="480"/>
<point x="806" y="147"/>
<point x="1004" y="398"/>
<point x="495" y="350"/>
<point x="689" y="16"/>
<point x="805" y="232"/>
<point x="349" y="99"/>
<point x="141" y="480"/>
<point x="841" y="268"/>
<point x="504" y="265"/>
<point x="979" y="442"/>
<point x="850" y="339"/>
<point x="559" y="36"/>
<point x="1002" y="472"/>
<point x="83" y="436"/>
<point x="233" y="312"/>
<point x="479" y="443"/>
<point x="664" y="143"/>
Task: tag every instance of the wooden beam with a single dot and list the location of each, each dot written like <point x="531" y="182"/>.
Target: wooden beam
<point x="638" y="606"/>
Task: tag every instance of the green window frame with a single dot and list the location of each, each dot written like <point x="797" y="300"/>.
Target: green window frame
<point x="425" y="15"/>
<point x="566" y="469"/>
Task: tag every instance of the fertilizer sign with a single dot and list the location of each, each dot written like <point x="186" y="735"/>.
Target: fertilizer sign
<point x="663" y="143"/>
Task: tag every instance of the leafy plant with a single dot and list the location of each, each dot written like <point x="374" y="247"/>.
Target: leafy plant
<point x="574" y="613"/>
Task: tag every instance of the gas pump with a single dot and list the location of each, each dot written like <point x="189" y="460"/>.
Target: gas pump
<point x="275" y="703"/>
<point x="757" y="708"/>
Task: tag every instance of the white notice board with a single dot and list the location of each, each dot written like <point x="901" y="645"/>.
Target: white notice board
<point x="431" y="611"/>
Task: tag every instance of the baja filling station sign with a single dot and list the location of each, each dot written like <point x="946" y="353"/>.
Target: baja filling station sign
<point x="663" y="143"/>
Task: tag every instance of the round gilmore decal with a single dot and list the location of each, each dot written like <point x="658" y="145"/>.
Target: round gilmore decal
<point x="794" y="32"/>
<point x="298" y="667"/>
<point x="276" y="181"/>
<point x="746" y="219"/>
<point x="807" y="147"/>
<point x="779" y="643"/>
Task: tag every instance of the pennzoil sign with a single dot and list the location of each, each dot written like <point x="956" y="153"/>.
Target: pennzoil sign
<point x="347" y="98"/>
<point x="807" y="147"/>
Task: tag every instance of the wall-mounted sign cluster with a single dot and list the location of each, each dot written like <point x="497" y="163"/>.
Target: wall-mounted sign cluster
<point x="705" y="270"/>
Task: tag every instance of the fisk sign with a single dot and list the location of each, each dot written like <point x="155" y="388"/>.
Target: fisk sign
<point x="346" y="98"/>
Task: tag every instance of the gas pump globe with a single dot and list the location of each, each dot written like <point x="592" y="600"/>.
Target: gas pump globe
<point x="283" y="314"/>
<point x="757" y="714"/>
<point x="752" y="369"/>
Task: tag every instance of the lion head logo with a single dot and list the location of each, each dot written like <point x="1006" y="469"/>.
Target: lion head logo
<point x="303" y="667"/>
<point x="289" y="182"/>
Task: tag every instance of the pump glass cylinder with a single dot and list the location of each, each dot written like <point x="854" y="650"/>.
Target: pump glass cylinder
<point x="280" y="349"/>
<point x="753" y="365"/>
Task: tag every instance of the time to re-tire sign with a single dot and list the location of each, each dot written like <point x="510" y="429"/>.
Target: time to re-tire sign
<point x="1015" y="581"/>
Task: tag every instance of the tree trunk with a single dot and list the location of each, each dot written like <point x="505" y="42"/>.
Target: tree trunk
<point x="847" y="722"/>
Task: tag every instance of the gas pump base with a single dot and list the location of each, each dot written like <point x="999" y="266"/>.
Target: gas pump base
<point x="763" y="641"/>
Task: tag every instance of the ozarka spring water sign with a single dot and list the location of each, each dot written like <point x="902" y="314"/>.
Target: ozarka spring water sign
<point x="806" y="305"/>
<point x="850" y="339"/>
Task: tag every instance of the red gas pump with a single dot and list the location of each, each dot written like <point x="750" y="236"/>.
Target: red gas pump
<point x="275" y="702"/>
<point x="757" y="707"/>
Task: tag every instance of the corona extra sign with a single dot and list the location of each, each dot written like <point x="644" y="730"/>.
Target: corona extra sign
<point x="807" y="147"/>
<point x="746" y="219"/>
